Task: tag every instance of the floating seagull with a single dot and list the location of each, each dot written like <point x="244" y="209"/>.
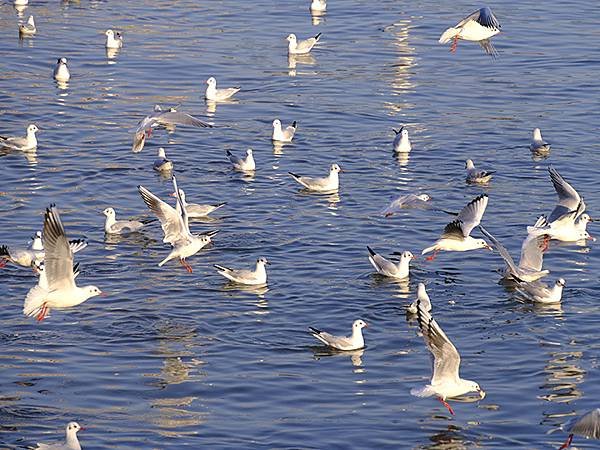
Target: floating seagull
<point x="318" y="5"/>
<point x="530" y="264"/>
<point x="587" y="426"/>
<point x="422" y="297"/>
<point x="26" y="143"/>
<point x="214" y="94"/>
<point x="353" y="342"/>
<point x="162" y="164"/>
<point x="246" y="164"/>
<point x="542" y="293"/>
<point x="61" y="71"/>
<point x="113" y="40"/>
<point x="166" y="118"/>
<point x="538" y="145"/>
<point x="283" y="135"/>
<point x="27" y="257"/>
<point x="478" y="27"/>
<point x="176" y="228"/>
<point x="62" y="292"/>
<point x="456" y="236"/>
<point x="71" y="443"/>
<point x="21" y="2"/>
<point x="302" y="47"/>
<point x="194" y="210"/>
<point x="404" y="202"/>
<point x="28" y="28"/>
<point x="388" y="268"/>
<point x="445" y="382"/>
<point x="328" y="184"/>
<point x="401" y="141"/>
<point x="475" y="175"/>
<point x="256" y="277"/>
<point x="114" y="226"/>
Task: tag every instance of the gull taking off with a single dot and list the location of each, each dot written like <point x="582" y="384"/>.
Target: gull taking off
<point x="296" y="47"/>
<point x="354" y="342"/>
<point x="61" y="292"/>
<point x="328" y="184"/>
<point x="29" y="142"/>
<point x="456" y="236"/>
<point x="401" y="141"/>
<point x="114" y="226"/>
<point x="587" y="426"/>
<point x="282" y="135"/>
<point x="405" y="202"/>
<point x="388" y="268"/>
<point x="61" y="71"/>
<point x="477" y="27"/>
<point x="256" y="277"/>
<point x="423" y="298"/>
<point x="445" y="382"/>
<point x="28" y="28"/>
<point x="113" y="40"/>
<point x="246" y="164"/>
<point x="194" y="210"/>
<point x="475" y="175"/>
<point x="161" y="163"/>
<point x="214" y="94"/>
<point x="538" y="144"/>
<point x="176" y="228"/>
<point x="71" y="442"/>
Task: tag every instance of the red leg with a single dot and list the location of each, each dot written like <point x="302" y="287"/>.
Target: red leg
<point x="545" y="244"/>
<point x="432" y="257"/>
<point x="454" y="45"/>
<point x="43" y="313"/>
<point x="149" y="132"/>
<point x="567" y="443"/>
<point x="446" y="404"/>
<point x="185" y="264"/>
<point x="2" y="263"/>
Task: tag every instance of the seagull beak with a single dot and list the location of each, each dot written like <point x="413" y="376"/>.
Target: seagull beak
<point x="591" y="220"/>
<point x="268" y="263"/>
<point x="173" y="194"/>
<point x="489" y="248"/>
<point x="82" y="428"/>
<point x="481" y="394"/>
<point x="366" y="325"/>
<point x="591" y="238"/>
<point x="102" y="294"/>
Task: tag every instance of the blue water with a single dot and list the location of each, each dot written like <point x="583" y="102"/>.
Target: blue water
<point x="173" y="360"/>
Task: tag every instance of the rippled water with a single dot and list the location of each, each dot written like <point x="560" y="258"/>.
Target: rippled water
<point x="173" y="360"/>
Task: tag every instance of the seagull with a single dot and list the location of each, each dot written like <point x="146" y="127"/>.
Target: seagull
<point x="61" y="71"/>
<point x="113" y="40"/>
<point x="28" y="28"/>
<point x="195" y="211"/>
<point x="477" y="176"/>
<point x="479" y="26"/>
<point x="587" y="426"/>
<point x="456" y="236"/>
<point x="62" y="292"/>
<point x="283" y="135"/>
<point x="214" y="94"/>
<point x="176" y="228"/>
<point x="328" y="184"/>
<point x="302" y="47"/>
<point x="318" y="5"/>
<point x="354" y="342"/>
<point x="21" y="2"/>
<point x="71" y="443"/>
<point x="159" y="117"/>
<point x="530" y="264"/>
<point x="406" y="201"/>
<point x="446" y="381"/>
<point x="538" y="145"/>
<point x="26" y="143"/>
<point x="27" y="257"/>
<point x="114" y="226"/>
<point x="540" y="292"/>
<point x="36" y="243"/>
<point x="401" y="141"/>
<point x="423" y="298"/>
<point x="246" y="164"/>
<point x="256" y="277"/>
<point x="388" y="268"/>
<point x="162" y="164"/>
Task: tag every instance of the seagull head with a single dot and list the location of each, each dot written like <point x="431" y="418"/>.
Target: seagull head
<point x="480" y="243"/>
<point x="335" y="168"/>
<point x="161" y="153"/>
<point x="407" y="255"/>
<point x="469" y="164"/>
<point x="62" y="60"/>
<point x="249" y="152"/>
<point x="211" y="81"/>
<point x="73" y="428"/>
<point x="291" y="37"/>
<point x="37" y="235"/>
<point x="476" y="388"/>
<point x="109" y="212"/>
<point x="585" y="218"/>
<point x="276" y="123"/>
<point x="263" y="261"/>
<point x="561" y="282"/>
<point x="424" y="197"/>
<point x="359" y="324"/>
<point x="110" y="33"/>
<point x="404" y="133"/>
<point x="92" y="291"/>
<point x="32" y="129"/>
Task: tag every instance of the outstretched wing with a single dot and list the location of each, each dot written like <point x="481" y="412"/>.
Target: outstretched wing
<point x="568" y="198"/>
<point x="470" y="216"/>
<point x="58" y="259"/>
<point x="171" y="221"/>
<point x="502" y="251"/>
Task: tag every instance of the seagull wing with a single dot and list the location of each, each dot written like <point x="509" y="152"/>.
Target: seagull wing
<point x="568" y="197"/>
<point x="484" y="17"/>
<point x="502" y="250"/>
<point x="58" y="260"/>
<point x="179" y="118"/>
<point x="532" y="256"/>
<point x="588" y="425"/>
<point x="170" y="220"/>
<point x="470" y="216"/>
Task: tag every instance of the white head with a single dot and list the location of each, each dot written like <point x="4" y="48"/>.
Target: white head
<point x="161" y="153"/>
<point x="585" y="218"/>
<point x="205" y="239"/>
<point x="38" y="235"/>
<point x="211" y="81"/>
<point x="424" y="197"/>
<point x="407" y="255"/>
<point x="480" y="243"/>
<point x="276" y="123"/>
<point x="71" y="430"/>
<point x="32" y="129"/>
<point x="474" y="387"/>
<point x="249" y="152"/>
<point x="109" y="212"/>
<point x="92" y="291"/>
<point x="358" y="325"/>
<point x="262" y="261"/>
<point x="404" y="133"/>
<point x="537" y="134"/>
<point x="110" y="33"/>
<point x="335" y="169"/>
<point x="62" y="60"/>
<point x="469" y="164"/>
<point x="291" y="37"/>
<point x="38" y="266"/>
<point x="561" y="282"/>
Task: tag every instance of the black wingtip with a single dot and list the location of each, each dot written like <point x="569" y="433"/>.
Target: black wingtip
<point x="318" y="36"/>
<point x="218" y="205"/>
<point x="294" y="123"/>
<point x="229" y="153"/>
<point x="313" y="330"/>
<point x="294" y="175"/>
<point x="4" y="250"/>
<point x="371" y="252"/>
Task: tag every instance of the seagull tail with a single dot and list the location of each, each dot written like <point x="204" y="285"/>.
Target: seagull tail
<point x="221" y="268"/>
<point x="229" y="154"/>
<point x="371" y="252"/>
<point x="34" y="301"/>
<point x="219" y="205"/>
<point x="425" y="391"/>
<point x="448" y="35"/>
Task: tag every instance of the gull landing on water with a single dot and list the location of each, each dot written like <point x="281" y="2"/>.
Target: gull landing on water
<point x="405" y="202"/>
<point x="479" y="27"/>
<point x="446" y="381"/>
<point x="71" y="442"/>
<point x="354" y="342"/>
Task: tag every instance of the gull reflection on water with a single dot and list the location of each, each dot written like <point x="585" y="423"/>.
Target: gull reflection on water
<point x="563" y="376"/>
<point x="294" y="60"/>
<point x="355" y="355"/>
<point x="112" y="53"/>
<point x="317" y="17"/>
